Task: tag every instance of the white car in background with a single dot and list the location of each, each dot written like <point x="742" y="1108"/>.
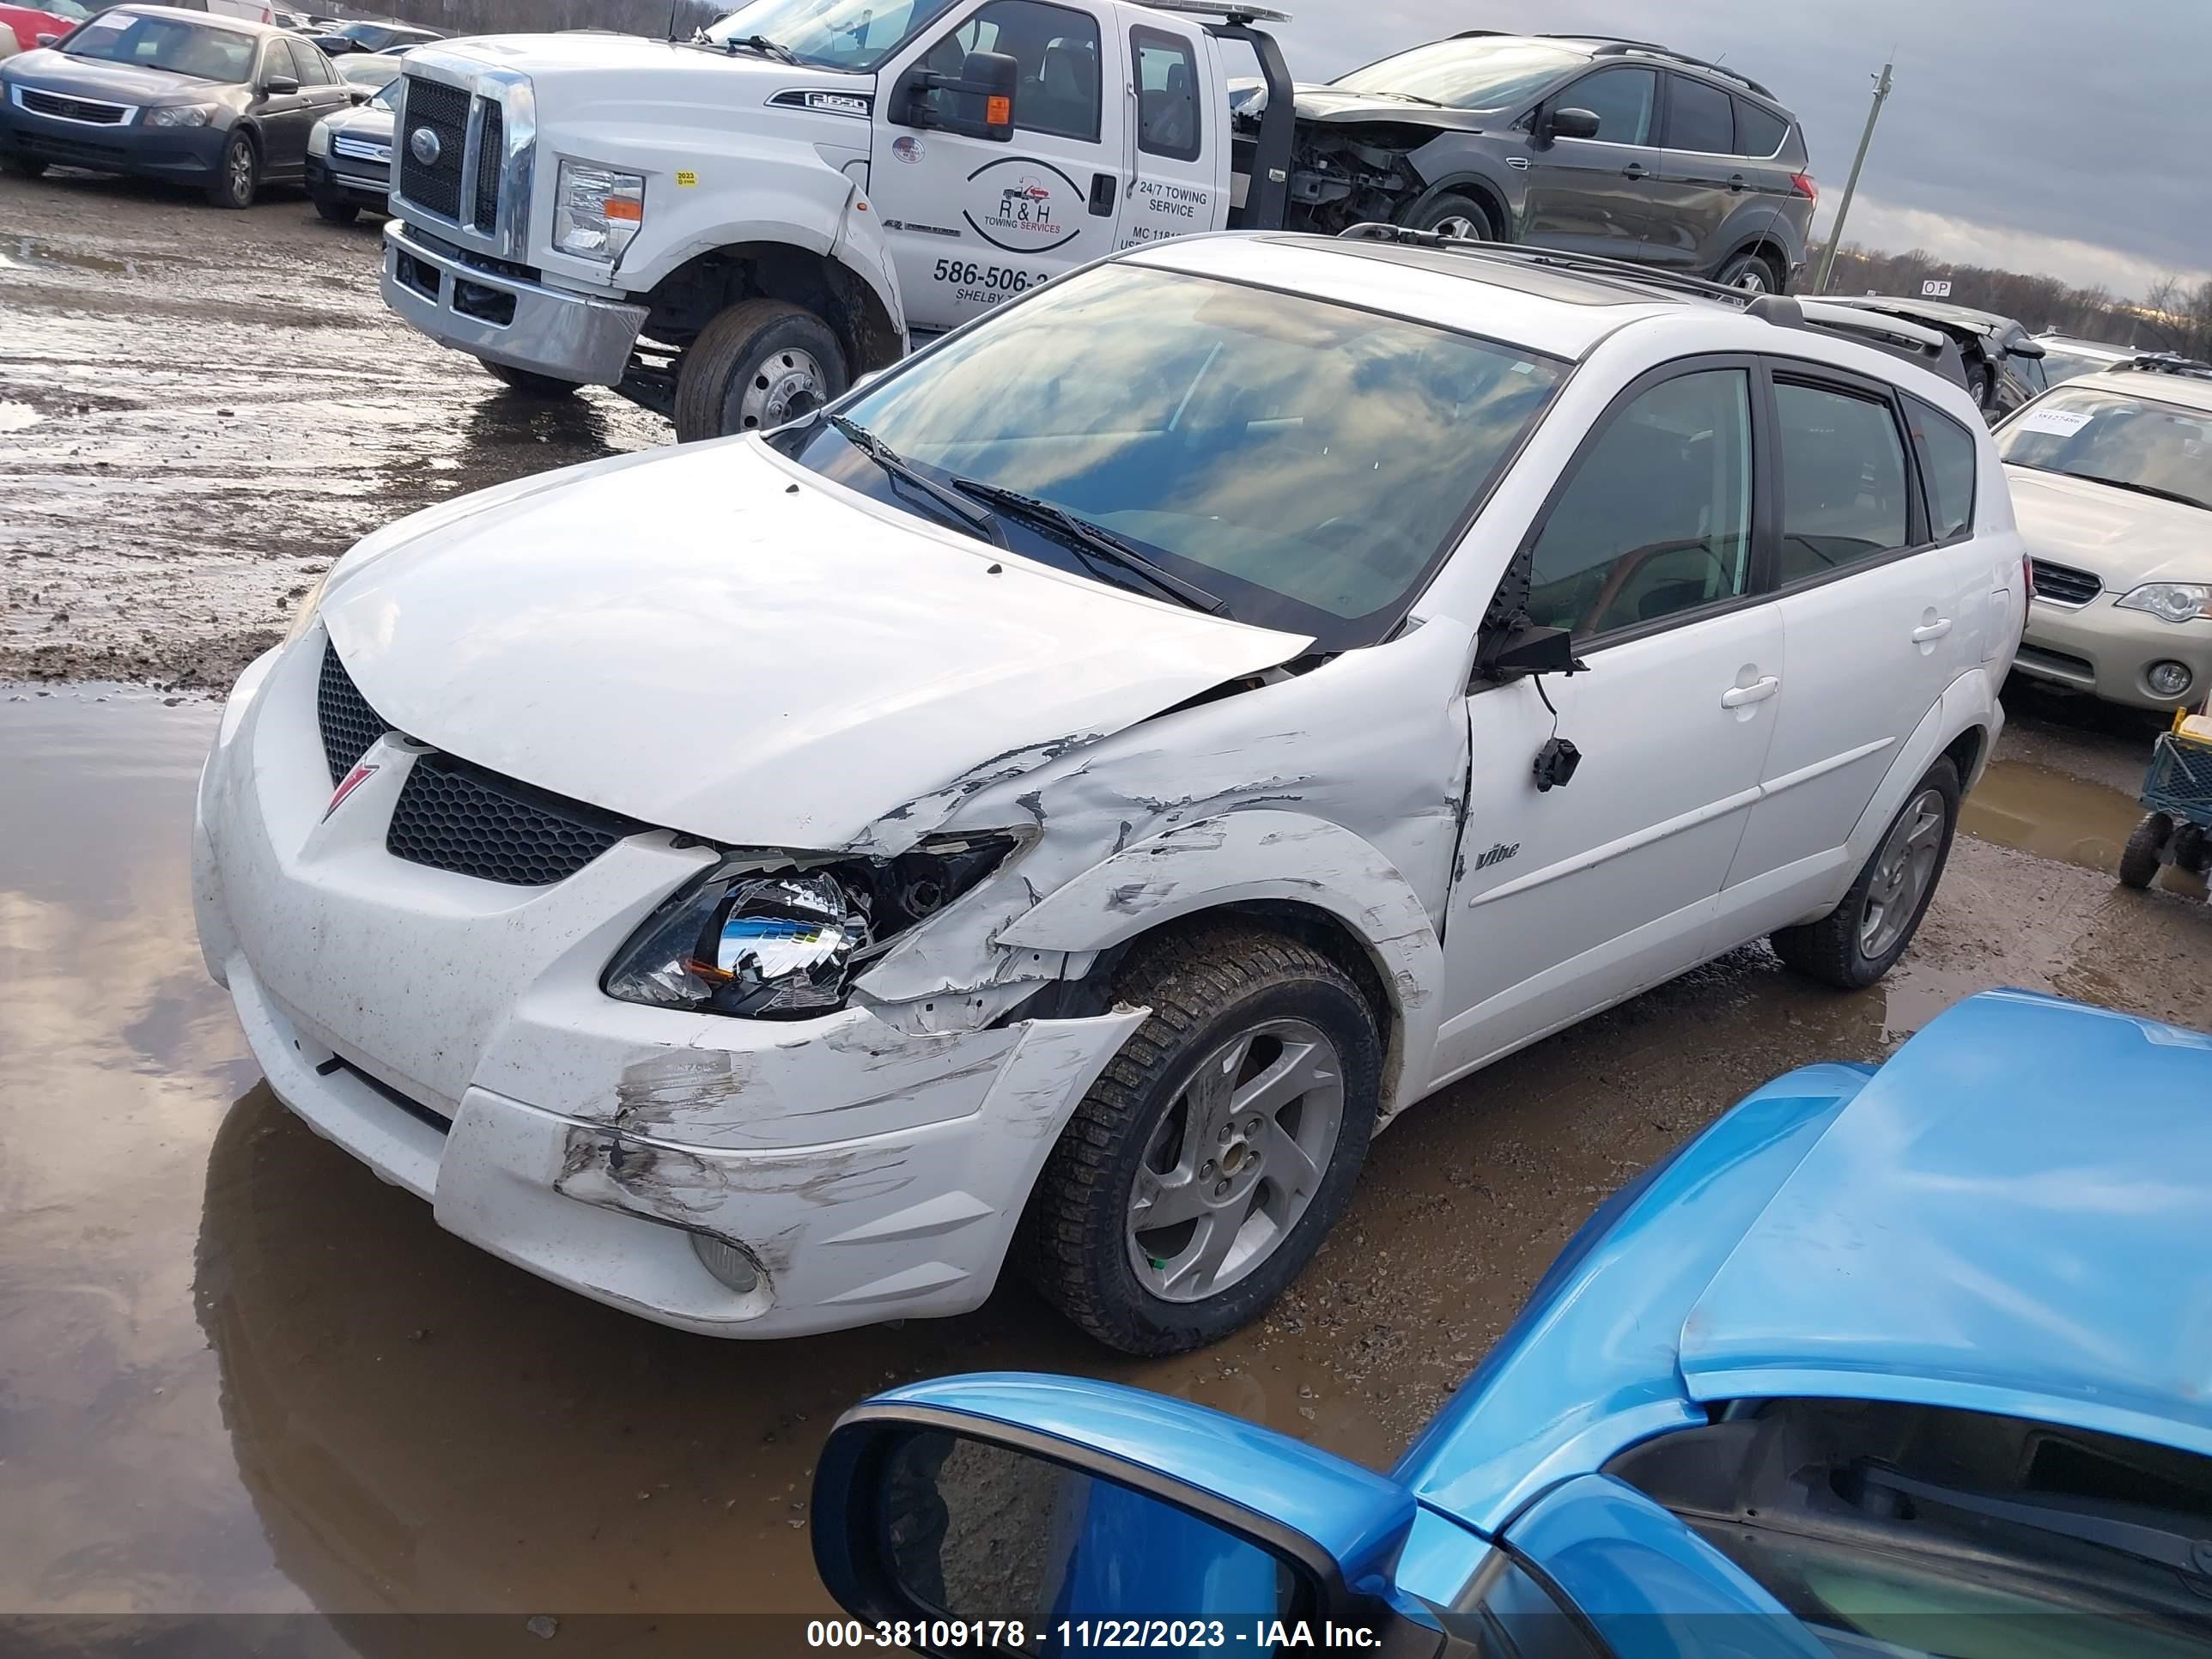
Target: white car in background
<point x="1058" y="802"/>
<point x="2111" y="478"/>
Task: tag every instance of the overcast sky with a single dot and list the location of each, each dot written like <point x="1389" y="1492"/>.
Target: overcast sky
<point x="2035" y="135"/>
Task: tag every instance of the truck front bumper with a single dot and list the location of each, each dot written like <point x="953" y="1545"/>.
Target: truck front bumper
<point x="506" y="319"/>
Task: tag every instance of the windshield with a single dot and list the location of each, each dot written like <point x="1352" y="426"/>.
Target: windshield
<point x="1468" y="74"/>
<point x="199" y="50"/>
<point x="844" y="34"/>
<point x="2059" y="364"/>
<point x="2136" y="443"/>
<point x="1307" y="463"/>
<point x="383" y="101"/>
<point x="67" y="9"/>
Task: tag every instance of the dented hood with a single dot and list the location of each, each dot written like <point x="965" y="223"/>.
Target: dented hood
<point x="2122" y="537"/>
<point x="709" y="640"/>
<point x="1333" y="105"/>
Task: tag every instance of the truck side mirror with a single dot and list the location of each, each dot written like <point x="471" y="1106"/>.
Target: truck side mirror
<point x="978" y="103"/>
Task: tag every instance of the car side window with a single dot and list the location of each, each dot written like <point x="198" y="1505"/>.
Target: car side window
<point x="1700" y="118"/>
<point x="276" y="60"/>
<point x="1655" y="518"/>
<point x="1758" y="132"/>
<point x="1948" y="466"/>
<point x="1505" y="1613"/>
<point x="1057" y="49"/>
<point x="1842" y="465"/>
<point x="1621" y="99"/>
<point x="313" y="69"/>
<point x="1167" y="94"/>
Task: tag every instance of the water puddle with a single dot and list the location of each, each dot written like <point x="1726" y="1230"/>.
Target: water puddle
<point x="2049" y="813"/>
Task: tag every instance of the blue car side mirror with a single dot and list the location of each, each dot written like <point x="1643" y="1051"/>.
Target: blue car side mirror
<point x="1050" y="1501"/>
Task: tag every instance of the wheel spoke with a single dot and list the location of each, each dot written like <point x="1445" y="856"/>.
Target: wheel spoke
<point x="1297" y="1071"/>
<point x="1209" y="1095"/>
<point x="1287" y="1163"/>
<point x="1166" y="1200"/>
<point x="1193" y="1272"/>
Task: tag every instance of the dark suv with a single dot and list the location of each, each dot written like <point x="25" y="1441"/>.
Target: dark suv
<point x="1617" y="147"/>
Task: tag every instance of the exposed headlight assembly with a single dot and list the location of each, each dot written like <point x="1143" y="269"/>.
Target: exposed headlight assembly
<point x="2173" y="602"/>
<point x="319" y="138"/>
<point x="597" y="210"/>
<point x="180" y="115"/>
<point x="765" y="942"/>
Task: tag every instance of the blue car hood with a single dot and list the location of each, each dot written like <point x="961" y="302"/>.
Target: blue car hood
<point x="2014" y="1215"/>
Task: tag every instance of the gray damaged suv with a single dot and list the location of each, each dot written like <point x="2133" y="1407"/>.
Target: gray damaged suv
<point x="1621" y="148"/>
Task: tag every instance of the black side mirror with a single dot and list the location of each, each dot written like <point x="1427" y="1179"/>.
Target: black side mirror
<point x="1523" y="648"/>
<point x="2024" y="348"/>
<point x="978" y="103"/>
<point x="280" y="86"/>
<point x="1571" y="124"/>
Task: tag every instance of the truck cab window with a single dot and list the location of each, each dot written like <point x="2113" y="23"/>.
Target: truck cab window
<point x="1058" y="52"/>
<point x="1167" y="94"/>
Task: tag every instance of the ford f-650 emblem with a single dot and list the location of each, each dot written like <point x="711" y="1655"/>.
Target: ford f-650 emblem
<point x="423" y="145"/>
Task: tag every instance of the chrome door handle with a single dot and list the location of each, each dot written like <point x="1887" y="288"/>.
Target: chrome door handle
<point x="1934" y="630"/>
<point x="1758" y="691"/>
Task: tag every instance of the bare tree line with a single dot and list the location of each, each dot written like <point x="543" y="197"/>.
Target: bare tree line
<point x="2173" y="316"/>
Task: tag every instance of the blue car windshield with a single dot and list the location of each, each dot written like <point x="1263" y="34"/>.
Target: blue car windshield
<point x="1306" y="463"/>
<point x="202" y="51"/>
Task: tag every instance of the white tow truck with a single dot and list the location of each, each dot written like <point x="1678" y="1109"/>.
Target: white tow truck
<point x="730" y="229"/>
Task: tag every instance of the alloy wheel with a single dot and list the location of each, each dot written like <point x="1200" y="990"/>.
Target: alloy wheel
<point x="1901" y="876"/>
<point x="1237" y="1159"/>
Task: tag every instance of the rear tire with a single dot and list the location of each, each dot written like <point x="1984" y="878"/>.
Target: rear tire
<point x="238" y="175"/>
<point x="23" y="167"/>
<point x="756" y="366"/>
<point x="2141" y="858"/>
<point x="1112" y="1234"/>
<point x="1858" y="941"/>
<point x="333" y="211"/>
<point x="1753" y="272"/>
<point x="528" y="383"/>
<point x="1455" y="216"/>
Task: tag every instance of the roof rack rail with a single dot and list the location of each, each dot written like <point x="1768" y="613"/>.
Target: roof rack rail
<point x="1930" y="347"/>
<point x="2165" y="362"/>
<point x="1611" y="48"/>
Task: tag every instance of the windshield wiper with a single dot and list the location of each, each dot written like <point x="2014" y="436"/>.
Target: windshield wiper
<point x="979" y="521"/>
<point x="766" y="48"/>
<point x="1095" y="540"/>
<point x="2124" y="1527"/>
<point x="2142" y="489"/>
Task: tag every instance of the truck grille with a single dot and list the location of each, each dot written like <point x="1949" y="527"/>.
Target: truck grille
<point x="2062" y="584"/>
<point x="453" y="816"/>
<point x="443" y="111"/>
<point x="490" y="144"/>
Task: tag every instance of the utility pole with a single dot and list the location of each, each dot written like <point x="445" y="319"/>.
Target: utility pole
<point x="1843" y="209"/>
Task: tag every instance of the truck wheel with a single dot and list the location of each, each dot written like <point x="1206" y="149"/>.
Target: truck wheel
<point x="23" y="167"/>
<point x="1856" y="943"/>
<point x="2145" y="851"/>
<point x="1202" y="1171"/>
<point x="336" y="212"/>
<point x="238" y="175"/>
<point x="758" y="365"/>
<point x="1450" y="214"/>
<point x="528" y="383"/>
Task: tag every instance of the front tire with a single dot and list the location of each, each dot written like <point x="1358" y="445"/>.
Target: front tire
<point x="1202" y="1171"/>
<point x="1857" y="942"/>
<point x="755" y="366"/>
<point x="527" y="382"/>
<point x="333" y="211"/>
<point x="238" y="176"/>
<point x="2146" y="851"/>
<point x="1460" y="217"/>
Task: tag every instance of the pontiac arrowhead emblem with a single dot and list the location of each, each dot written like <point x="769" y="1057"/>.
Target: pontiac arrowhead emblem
<point x="354" y="780"/>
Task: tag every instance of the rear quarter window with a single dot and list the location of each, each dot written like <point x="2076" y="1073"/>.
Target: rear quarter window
<point x="1758" y="132"/>
<point x="1948" y="464"/>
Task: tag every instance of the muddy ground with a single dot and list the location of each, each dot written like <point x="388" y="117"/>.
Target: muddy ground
<point x="240" y="1376"/>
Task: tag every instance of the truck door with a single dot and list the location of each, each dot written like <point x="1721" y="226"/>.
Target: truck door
<point x="1179" y="133"/>
<point x="971" y="223"/>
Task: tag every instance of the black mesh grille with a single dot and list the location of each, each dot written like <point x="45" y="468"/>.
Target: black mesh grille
<point x="489" y="145"/>
<point x="445" y="111"/>
<point x="453" y="816"/>
<point x="75" y="109"/>
<point x="349" y="724"/>
<point x="2062" y="584"/>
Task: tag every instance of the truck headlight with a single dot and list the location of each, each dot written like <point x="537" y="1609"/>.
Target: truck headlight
<point x="180" y="115"/>
<point x="596" y="210"/>
<point x="2173" y="602"/>
<point x="763" y="942"/>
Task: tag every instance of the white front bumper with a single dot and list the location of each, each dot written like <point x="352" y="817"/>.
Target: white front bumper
<point x="868" y="1174"/>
